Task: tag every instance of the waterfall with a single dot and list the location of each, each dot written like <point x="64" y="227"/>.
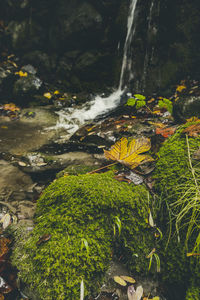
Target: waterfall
<point x="72" y="118"/>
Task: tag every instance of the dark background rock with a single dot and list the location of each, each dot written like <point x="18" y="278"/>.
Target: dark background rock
<point x="79" y="44"/>
<point x="186" y="107"/>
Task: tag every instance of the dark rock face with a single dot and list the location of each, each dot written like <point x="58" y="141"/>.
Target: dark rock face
<point x="186" y="107"/>
<point x="170" y="50"/>
<point x="80" y="43"/>
<point x="73" y="41"/>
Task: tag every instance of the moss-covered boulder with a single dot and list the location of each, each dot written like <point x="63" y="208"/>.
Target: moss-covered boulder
<point x="193" y="293"/>
<point x="79" y="212"/>
<point x="177" y="185"/>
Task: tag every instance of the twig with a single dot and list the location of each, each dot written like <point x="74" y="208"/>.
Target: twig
<point x="94" y="171"/>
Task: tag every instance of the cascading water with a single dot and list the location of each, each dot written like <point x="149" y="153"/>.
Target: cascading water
<point x="72" y="118"/>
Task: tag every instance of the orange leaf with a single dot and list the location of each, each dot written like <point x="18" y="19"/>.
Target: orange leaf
<point x="165" y="132"/>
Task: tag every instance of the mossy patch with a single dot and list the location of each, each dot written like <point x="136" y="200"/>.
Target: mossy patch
<point x="79" y="212"/>
<point x="175" y="185"/>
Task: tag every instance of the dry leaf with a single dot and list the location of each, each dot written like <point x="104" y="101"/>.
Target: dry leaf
<point x="165" y="132"/>
<point x="193" y="130"/>
<point x="4" y="242"/>
<point x="128" y="279"/>
<point x="43" y="239"/>
<point x="128" y="154"/>
<point x="135" y="294"/>
<point x="193" y="254"/>
<point x="119" y="280"/>
<point x="47" y="95"/>
<point x="159" y="125"/>
<point x="11" y="107"/>
<point x="180" y="88"/>
<point x="6" y="221"/>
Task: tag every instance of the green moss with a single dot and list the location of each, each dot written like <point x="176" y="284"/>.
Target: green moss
<point x="75" y="209"/>
<point x="193" y="293"/>
<point x="175" y="184"/>
<point x="76" y="170"/>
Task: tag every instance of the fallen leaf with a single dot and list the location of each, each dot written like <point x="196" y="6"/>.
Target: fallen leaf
<point x="22" y="74"/>
<point x="165" y="132"/>
<point x="56" y="92"/>
<point x="22" y="164"/>
<point x="156" y="298"/>
<point x="193" y="254"/>
<point x="43" y="239"/>
<point x="135" y="178"/>
<point x="151" y="100"/>
<point x="128" y="154"/>
<point x="128" y="279"/>
<point x="193" y="130"/>
<point x="1" y="297"/>
<point x="4" y="127"/>
<point x="193" y="119"/>
<point x="6" y="221"/>
<point x="47" y="95"/>
<point x="159" y="125"/>
<point x="4" y="242"/>
<point x="135" y="294"/>
<point x="11" y="107"/>
<point x="119" y="280"/>
<point x="122" y="178"/>
<point x="180" y="88"/>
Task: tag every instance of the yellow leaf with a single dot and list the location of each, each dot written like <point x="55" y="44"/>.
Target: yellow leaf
<point x="47" y="95"/>
<point x="22" y="74"/>
<point x="119" y="280"/>
<point x="128" y="279"/>
<point x="129" y="154"/>
<point x="133" y="117"/>
<point x="156" y="298"/>
<point x="180" y="88"/>
<point x="193" y="254"/>
<point x="4" y="127"/>
<point x="160" y="125"/>
<point x="56" y="92"/>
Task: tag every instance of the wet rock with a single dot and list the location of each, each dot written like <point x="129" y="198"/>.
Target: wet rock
<point x="13" y="183"/>
<point x="27" y="85"/>
<point x="186" y="107"/>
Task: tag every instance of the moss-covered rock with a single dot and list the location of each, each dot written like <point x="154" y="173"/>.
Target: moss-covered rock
<point x="193" y="293"/>
<point x="79" y="212"/>
<point x="177" y="186"/>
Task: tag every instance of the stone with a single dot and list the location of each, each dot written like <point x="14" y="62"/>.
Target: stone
<point x="27" y="85"/>
<point x="187" y="107"/>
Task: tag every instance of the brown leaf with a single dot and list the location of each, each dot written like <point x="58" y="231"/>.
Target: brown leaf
<point x="43" y="239"/>
<point x="128" y="154"/>
<point x="193" y="130"/>
<point x="4" y="242"/>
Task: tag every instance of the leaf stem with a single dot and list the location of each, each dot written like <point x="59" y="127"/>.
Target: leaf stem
<point x="94" y="171"/>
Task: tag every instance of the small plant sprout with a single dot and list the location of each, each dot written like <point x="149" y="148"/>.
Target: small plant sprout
<point x="118" y="223"/>
<point x="150" y="256"/>
<point x="84" y="244"/>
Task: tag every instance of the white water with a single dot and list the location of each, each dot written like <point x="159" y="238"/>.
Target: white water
<point x="73" y="118"/>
